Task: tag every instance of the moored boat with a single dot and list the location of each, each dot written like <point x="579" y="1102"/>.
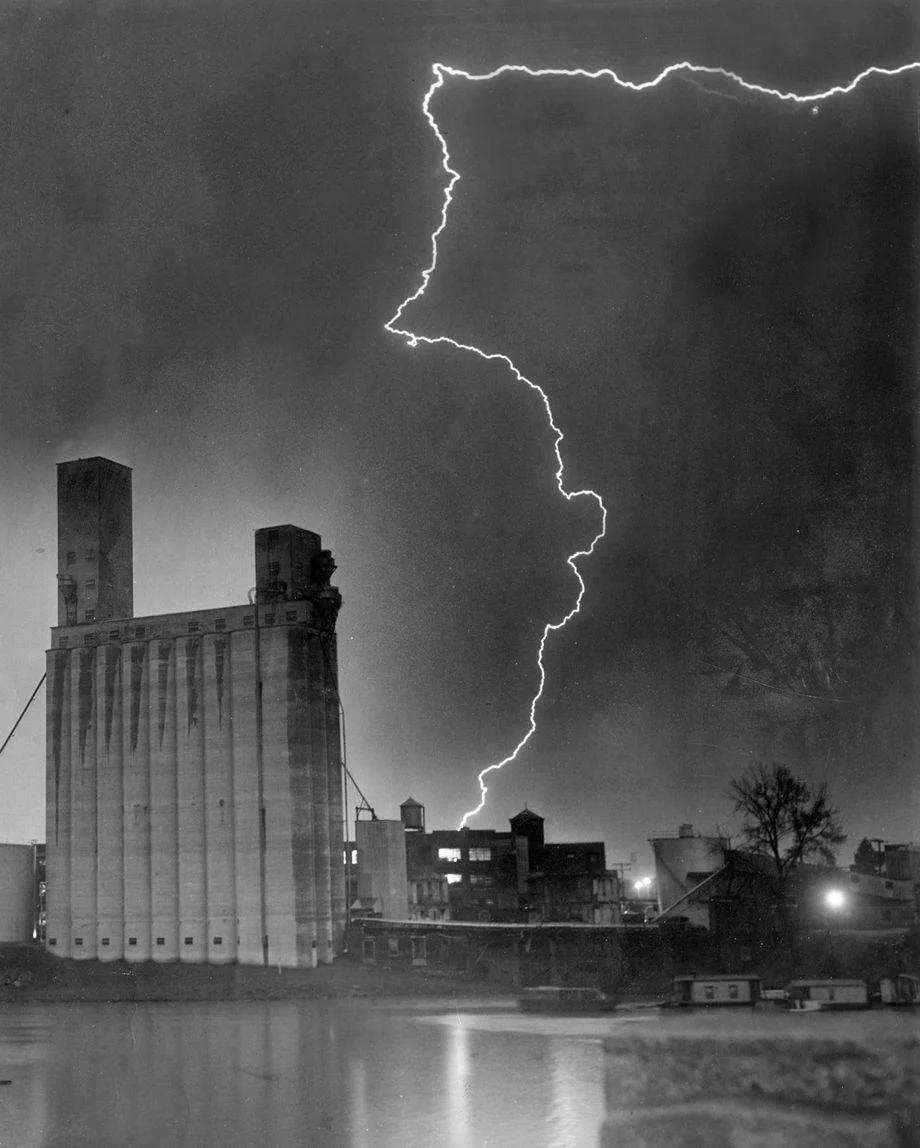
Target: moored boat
<point x="716" y="989"/>
<point x="814" y="995"/>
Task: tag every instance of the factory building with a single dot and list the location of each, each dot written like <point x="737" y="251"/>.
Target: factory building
<point x="194" y="798"/>
<point x="506" y="876"/>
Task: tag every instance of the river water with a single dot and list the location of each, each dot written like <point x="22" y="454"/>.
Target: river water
<point x="355" y="1073"/>
<point x="279" y="1073"/>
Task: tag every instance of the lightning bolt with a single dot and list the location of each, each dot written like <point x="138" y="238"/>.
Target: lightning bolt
<point x="443" y="72"/>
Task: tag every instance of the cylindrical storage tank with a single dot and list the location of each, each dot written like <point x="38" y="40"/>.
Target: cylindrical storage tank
<point x="17" y="893"/>
<point x="190" y="795"/>
<point x="110" y="853"/>
<point x="57" y="812"/>
<point x="83" y="804"/>
<point x="682" y="862"/>
<point x="317" y="673"/>
<point x="218" y="761"/>
<point x="136" y="694"/>
<point x="289" y="916"/>
<point x="246" y="819"/>
<point x="164" y="850"/>
<point x="336" y="808"/>
<point x="382" y="866"/>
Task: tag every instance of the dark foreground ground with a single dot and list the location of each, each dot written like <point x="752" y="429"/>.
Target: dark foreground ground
<point x="27" y="973"/>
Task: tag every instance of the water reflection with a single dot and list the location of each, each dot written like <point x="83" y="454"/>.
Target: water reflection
<point x="282" y="1073"/>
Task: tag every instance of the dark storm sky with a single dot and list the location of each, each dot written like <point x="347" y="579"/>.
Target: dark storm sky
<point x="209" y="211"/>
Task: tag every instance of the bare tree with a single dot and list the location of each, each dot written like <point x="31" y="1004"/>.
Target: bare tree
<point x="785" y="819"/>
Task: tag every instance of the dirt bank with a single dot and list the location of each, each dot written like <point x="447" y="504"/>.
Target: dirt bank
<point x="28" y="974"/>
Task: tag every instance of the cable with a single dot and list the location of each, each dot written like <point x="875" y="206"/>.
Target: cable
<point x="9" y="736"/>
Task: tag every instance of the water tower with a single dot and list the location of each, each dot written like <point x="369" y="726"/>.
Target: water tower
<point x="412" y="815"/>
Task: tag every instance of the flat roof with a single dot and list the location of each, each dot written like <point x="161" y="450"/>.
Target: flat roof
<point x="718" y="977"/>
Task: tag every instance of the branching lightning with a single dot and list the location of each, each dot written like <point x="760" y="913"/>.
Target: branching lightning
<point x="443" y="72"/>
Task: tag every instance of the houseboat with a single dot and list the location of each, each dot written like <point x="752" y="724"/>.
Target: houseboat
<point x="716" y="989"/>
<point x="564" y="999"/>
<point x="820" y="995"/>
<point x="904" y="989"/>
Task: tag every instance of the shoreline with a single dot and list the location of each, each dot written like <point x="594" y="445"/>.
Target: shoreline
<point x="29" y="975"/>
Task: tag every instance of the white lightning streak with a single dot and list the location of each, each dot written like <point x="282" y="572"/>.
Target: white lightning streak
<point x="443" y="72"/>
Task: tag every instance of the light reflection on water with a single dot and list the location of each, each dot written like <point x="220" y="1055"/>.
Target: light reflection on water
<point x="322" y="1073"/>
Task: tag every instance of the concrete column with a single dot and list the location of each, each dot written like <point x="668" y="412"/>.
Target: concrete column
<point x="57" y="814"/>
<point x="164" y="848"/>
<point x="110" y="904"/>
<point x="136" y="693"/>
<point x="190" y="792"/>
<point x="218" y="749"/>
<point x="281" y="807"/>
<point x="317" y="676"/>
<point x="83" y="803"/>
<point x="245" y="776"/>
<point x="335" y="804"/>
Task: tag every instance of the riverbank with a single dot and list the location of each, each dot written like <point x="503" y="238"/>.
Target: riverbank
<point x="29" y="974"/>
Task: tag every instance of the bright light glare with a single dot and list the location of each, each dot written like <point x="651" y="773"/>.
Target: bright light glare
<point x="835" y="899"/>
<point x="643" y="883"/>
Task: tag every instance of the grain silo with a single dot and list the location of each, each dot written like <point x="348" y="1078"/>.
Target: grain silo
<point x="194" y="806"/>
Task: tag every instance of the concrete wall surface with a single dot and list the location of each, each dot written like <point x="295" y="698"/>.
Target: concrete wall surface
<point x="850" y="1082"/>
<point x="17" y="892"/>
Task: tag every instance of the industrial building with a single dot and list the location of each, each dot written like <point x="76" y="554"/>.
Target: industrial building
<point x="194" y="796"/>
<point x="705" y="884"/>
<point x="506" y="876"/>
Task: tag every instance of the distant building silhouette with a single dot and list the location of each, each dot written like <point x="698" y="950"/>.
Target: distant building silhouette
<point x="488" y="875"/>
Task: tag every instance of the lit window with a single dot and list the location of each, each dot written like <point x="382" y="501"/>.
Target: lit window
<point x="481" y="853"/>
<point x="453" y="878"/>
<point x="481" y="879"/>
<point x="448" y="854"/>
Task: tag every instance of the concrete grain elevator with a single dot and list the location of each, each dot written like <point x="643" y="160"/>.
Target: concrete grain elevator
<point x="194" y="790"/>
